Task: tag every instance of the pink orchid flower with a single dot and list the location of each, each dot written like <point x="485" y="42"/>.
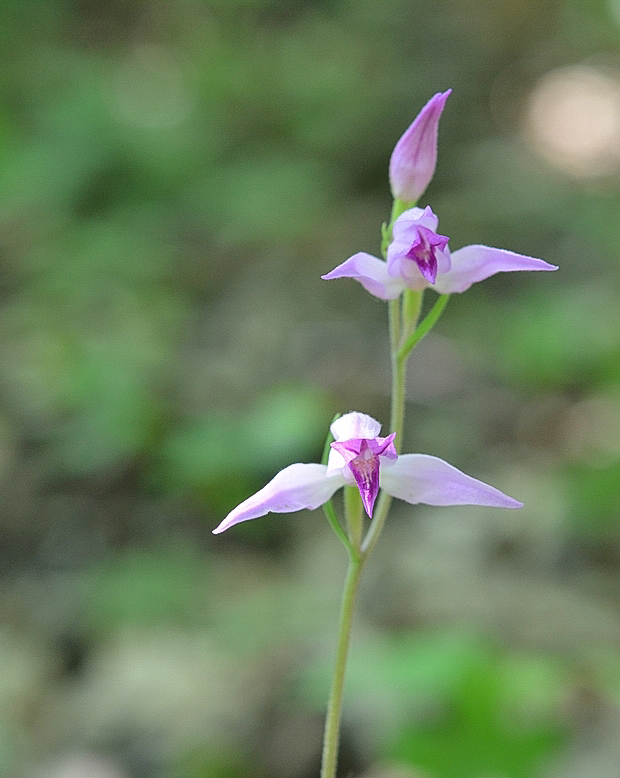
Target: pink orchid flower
<point x="419" y="257"/>
<point x="359" y="457"/>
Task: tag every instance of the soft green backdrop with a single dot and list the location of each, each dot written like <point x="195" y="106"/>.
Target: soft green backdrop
<point x="174" y="178"/>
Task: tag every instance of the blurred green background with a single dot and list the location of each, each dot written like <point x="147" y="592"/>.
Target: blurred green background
<point x="174" y="178"/>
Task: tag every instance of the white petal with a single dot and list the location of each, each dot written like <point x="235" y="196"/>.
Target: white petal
<point x="418" y="478"/>
<point x="296" y="487"/>
<point x="355" y="425"/>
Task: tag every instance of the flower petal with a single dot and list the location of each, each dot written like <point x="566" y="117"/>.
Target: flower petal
<point x="418" y="478"/>
<point x="372" y="274"/>
<point x="413" y="160"/>
<point x="352" y="425"/>
<point x="475" y="263"/>
<point x="413" y="218"/>
<point x="366" y="473"/>
<point x="296" y="487"/>
<point x="355" y="425"/>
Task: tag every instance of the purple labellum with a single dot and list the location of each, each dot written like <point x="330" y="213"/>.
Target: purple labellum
<point x="362" y="457"/>
<point x="365" y="469"/>
<point x="423" y="249"/>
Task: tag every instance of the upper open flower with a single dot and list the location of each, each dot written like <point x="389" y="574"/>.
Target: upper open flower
<point x="419" y="257"/>
<point x="360" y="457"/>
<point x="415" y="155"/>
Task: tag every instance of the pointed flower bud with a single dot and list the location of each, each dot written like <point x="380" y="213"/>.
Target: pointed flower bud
<point x="415" y="155"/>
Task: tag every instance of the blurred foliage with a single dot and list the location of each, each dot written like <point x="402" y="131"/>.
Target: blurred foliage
<point x="206" y="456"/>
<point x="452" y="705"/>
<point x="477" y="734"/>
<point x="146" y="587"/>
<point x="174" y="178"/>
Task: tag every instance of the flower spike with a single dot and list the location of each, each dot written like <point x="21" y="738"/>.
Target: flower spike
<point x="360" y="457"/>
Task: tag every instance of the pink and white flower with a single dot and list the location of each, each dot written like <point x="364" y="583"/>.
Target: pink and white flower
<point x="418" y="257"/>
<point x="359" y="457"/>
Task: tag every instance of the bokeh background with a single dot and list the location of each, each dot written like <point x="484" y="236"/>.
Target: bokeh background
<point x="174" y="178"/>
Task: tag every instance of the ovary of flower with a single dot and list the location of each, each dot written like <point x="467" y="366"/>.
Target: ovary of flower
<point x="360" y="457"/>
<point x="419" y="257"/>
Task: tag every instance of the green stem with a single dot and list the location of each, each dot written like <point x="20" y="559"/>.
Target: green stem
<point x="397" y="422"/>
<point x="354" y="515"/>
<point x="357" y="560"/>
<point x="397" y="402"/>
<point x="405" y="330"/>
<point x="381" y="513"/>
<point x="334" y="708"/>
<point x="397" y="416"/>
<point x="330" y="515"/>
<point x="398" y="207"/>
<point x="412" y="306"/>
<point x="425" y="326"/>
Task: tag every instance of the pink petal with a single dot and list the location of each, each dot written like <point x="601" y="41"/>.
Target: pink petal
<point x="296" y="487"/>
<point x="412" y="218"/>
<point x="413" y="160"/>
<point x="475" y="263"/>
<point x="372" y="274"/>
<point x="418" y="478"/>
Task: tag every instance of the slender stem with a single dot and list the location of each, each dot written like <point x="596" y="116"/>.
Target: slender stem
<point x="412" y="306"/>
<point x="357" y="560"/>
<point x="401" y="334"/>
<point x="397" y="370"/>
<point x="397" y="422"/>
<point x="334" y="708"/>
<point x="425" y="326"/>
<point x="330" y="515"/>
<point x="354" y="515"/>
<point x="381" y="513"/>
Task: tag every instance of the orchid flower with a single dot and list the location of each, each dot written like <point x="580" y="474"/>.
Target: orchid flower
<point x="359" y="457"/>
<point x="413" y="160"/>
<point x="419" y="257"/>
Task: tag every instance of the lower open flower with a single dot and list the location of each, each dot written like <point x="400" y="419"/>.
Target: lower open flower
<point x="360" y="457"/>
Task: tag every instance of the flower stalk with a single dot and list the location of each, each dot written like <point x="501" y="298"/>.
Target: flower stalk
<point x="357" y="562"/>
<point x="331" y="737"/>
<point x="371" y="468"/>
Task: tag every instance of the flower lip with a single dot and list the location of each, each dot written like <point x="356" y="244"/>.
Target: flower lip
<point x="363" y="458"/>
<point x="356" y="434"/>
<point x="418" y="253"/>
<point x="424" y="250"/>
